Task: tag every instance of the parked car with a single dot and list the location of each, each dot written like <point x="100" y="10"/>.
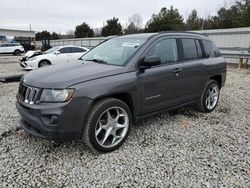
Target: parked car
<point x="11" y="48"/>
<point x="119" y="82"/>
<point x="59" y="54"/>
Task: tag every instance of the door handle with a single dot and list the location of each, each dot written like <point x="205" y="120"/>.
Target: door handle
<point x="177" y="70"/>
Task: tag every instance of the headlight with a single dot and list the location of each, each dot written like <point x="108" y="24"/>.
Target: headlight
<point x="32" y="59"/>
<point x="56" y="95"/>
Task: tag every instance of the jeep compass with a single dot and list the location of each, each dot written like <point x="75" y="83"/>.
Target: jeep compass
<point x="98" y="97"/>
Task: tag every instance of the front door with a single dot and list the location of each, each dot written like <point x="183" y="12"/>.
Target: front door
<point x="160" y="86"/>
<point x="66" y="55"/>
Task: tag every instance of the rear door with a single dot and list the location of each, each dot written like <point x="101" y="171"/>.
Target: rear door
<point x="6" y="48"/>
<point x="191" y="69"/>
<point x="78" y="52"/>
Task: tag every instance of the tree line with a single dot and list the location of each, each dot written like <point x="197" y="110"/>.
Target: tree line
<point x="168" y="19"/>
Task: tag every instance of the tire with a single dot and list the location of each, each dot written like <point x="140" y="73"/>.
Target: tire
<point x="207" y="102"/>
<point x="110" y="117"/>
<point x="17" y="52"/>
<point x="44" y="63"/>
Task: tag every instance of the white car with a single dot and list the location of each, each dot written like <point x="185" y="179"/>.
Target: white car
<point x="59" y="54"/>
<point x="11" y="48"/>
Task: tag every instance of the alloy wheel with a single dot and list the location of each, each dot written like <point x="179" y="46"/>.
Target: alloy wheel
<point x="111" y="127"/>
<point x="212" y="96"/>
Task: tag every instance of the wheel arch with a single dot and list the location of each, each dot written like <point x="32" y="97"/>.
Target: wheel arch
<point x="124" y="97"/>
<point x="217" y="78"/>
<point x="17" y="50"/>
<point x="43" y="60"/>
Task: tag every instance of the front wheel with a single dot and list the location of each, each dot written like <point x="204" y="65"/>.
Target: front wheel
<point x="210" y="97"/>
<point x="44" y="63"/>
<point x="17" y="53"/>
<point x="107" y="126"/>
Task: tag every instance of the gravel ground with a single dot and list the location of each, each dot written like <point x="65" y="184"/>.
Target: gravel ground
<point x="9" y="65"/>
<point x="183" y="148"/>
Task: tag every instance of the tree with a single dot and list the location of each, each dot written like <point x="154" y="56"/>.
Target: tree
<point x="211" y="22"/>
<point x="83" y="31"/>
<point x="113" y="27"/>
<point x="54" y="36"/>
<point x="165" y="20"/>
<point x="246" y="13"/>
<point x="43" y="35"/>
<point x="135" y="24"/>
<point x="193" y="21"/>
<point x="231" y="17"/>
<point x="98" y="32"/>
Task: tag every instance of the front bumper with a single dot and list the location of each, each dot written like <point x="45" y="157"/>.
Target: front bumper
<point x="26" y="65"/>
<point x="36" y="119"/>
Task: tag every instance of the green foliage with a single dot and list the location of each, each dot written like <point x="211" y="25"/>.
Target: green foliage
<point x="135" y="25"/>
<point x="238" y="15"/>
<point x="83" y="31"/>
<point x="44" y="35"/>
<point x="165" y="20"/>
<point x="113" y="27"/>
<point x="194" y="22"/>
<point x="246" y="13"/>
<point x="54" y="36"/>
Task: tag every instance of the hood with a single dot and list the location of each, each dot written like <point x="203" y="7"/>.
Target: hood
<point x="67" y="74"/>
<point x="32" y="53"/>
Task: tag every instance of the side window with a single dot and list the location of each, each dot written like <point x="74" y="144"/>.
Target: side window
<point x="210" y="49"/>
<point x="65" y="50"/>
<point x="198" y="47"/>
<point x="189" y="49"/>
<point x="165" y="49"/>
<point x="78" y="50"/>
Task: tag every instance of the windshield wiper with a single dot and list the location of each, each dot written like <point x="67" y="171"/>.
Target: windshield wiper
<point x="97" y="61"/>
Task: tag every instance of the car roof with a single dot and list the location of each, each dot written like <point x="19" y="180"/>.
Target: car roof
<point x="70" y="46"/>
<point x="164" y="33"/>
<point x="12" y="43"/>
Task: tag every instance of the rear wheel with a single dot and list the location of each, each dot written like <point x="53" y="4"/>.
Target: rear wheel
<point x="107" y="126"/>
<point x="210" y="97"/>
<point x="44" y="63"/>
<point x="17" y="52"/>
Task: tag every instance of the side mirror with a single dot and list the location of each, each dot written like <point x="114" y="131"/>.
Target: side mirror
<point x="150" y="61"/>
<point x="57" y="53"/>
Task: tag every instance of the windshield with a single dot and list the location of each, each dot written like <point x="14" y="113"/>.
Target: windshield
<point x="115" y="51"/>
<point x="51" y="50"/>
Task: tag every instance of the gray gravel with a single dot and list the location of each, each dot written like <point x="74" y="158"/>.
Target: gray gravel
<point x="183" y="148"/>
<point x="9" y="65"/>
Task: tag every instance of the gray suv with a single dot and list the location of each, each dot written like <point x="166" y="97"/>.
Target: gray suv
<point x="98" y="97"/>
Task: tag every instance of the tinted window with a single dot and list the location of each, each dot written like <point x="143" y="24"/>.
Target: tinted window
<point x="13" y="44"/>
<point x="165" y="49"/>
<point x="78" y="50"/>
<point x="210" y="49"/>
<point x="189" y="49"/>
<point x="198" y="47"/>
<point x="66" y="50"/>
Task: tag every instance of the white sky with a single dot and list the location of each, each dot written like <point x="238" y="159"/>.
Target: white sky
<point x="64" y="15"/>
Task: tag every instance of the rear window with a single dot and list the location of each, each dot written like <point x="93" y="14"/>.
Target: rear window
<point x="210" y="49"/>
<point x="78" y="50"/>
<point x="199" y="49"/>
<point x="189" y="49"/>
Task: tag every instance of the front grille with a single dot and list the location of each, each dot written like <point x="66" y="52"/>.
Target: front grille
<point x="27" y="94"/>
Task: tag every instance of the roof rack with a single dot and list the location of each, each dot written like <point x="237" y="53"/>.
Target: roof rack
<point x="184" y="32"/>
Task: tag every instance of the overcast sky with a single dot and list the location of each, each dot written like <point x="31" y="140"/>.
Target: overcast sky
<point x="64" y="15"/>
